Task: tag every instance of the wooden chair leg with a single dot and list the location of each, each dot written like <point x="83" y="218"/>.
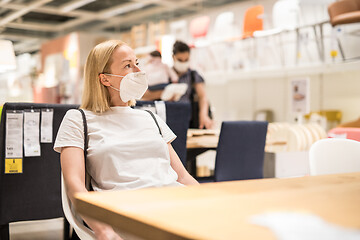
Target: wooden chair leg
<point x="4" y="232"/>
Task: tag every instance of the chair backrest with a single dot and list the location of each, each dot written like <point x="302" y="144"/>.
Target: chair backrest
<point x="334" y="155"/>
<point x="224" y="27"/>
<point x="253" y="20"/>
<point x="177" y="118"/>
<point x="338" y="8"/>
<point x="81" y="230"/>
<point x="199" y="26"/>
<point x="34" y="194"/>
<point x="348" y="133"/>
<point x="286" y="14"/>
<point x="240" y="151"/>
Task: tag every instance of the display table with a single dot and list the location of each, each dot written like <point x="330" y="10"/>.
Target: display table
<point x="223" y="210"/>
<point x="199" y="141"/>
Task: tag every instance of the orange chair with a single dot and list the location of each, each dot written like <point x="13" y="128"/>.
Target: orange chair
<point x="253" y="21"/>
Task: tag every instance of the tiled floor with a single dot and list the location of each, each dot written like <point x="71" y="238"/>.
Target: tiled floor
<point x="37" y="230"/>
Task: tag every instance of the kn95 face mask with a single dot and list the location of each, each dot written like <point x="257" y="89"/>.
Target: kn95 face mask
<point x="132" y="86"/>
<point x="181" y="66"/>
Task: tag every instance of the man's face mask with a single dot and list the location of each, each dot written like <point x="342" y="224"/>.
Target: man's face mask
<point x="132" y="86"/>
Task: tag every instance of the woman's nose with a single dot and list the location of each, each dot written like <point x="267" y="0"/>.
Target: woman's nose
<point x="137" y="68"/>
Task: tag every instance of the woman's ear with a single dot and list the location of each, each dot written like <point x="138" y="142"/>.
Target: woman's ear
<point x="103" y="79"/>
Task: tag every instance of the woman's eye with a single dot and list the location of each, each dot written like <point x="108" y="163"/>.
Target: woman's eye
<point x="137" y="64"/>
<point x="127" y="66"/>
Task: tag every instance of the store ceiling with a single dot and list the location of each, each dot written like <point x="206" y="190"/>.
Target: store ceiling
<point x="28" y="23"/>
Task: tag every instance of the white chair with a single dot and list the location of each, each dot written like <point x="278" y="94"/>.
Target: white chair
<point x="83" y="232"/>
<point x="334" y="155"/>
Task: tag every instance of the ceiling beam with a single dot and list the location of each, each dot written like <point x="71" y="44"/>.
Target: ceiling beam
<point x="149" y="12"/>
<point x="19" y="37"/>
<point x="33" y="26"/>
<point x="51" y="10"/>
<point x="12" y="16"/>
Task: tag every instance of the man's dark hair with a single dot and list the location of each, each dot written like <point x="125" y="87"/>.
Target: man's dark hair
<point x="155" y="53"/>
<point x="180" y="47"/>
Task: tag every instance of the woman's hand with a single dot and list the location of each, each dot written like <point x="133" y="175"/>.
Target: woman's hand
<point x="107" y="233"/>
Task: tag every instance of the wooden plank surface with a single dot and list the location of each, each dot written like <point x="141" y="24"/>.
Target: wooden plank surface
<point x="223" y="210"/>
<point x="202" y="138"/>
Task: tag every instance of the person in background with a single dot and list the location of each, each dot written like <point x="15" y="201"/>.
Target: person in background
<point x="159" y="74"/>
<point x="125" y="149"/>
<point x="195" y="92"/>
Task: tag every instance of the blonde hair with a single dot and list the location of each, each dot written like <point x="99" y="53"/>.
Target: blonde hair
<point x="96" y="96"/>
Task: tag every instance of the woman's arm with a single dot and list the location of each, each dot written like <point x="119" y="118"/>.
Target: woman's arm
<point x="73" y="168"/>
<point x="204" y="120"/>
<point x="183" y="176"/>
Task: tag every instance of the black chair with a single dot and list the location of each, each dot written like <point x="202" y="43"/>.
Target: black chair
<point x="240" y="151"/>
<point x="177" y="118"/>
<point x="34" y="194"/>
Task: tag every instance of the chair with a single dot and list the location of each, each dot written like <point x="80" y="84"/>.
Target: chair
<point x="81" y="230"/>
<point x="345" y="132"/>
<point x="35" y="193"/>
<point x="199" y="27"/>
<point x="334" y="155"/>
<point x="253" y="21"/>
<point x="177" y="118"/>
<point x="224" y="27"/>
<point x="285" y="15"/>
<point x="240" y="151"/>
<point x="344" y="12"/>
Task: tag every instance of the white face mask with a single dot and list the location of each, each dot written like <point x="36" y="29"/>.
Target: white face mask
<point x="181" y="66"/>
<point x="132" y="86"/>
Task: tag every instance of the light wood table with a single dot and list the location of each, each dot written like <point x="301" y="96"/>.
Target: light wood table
<point x="202" y="138"/>
<point x="223" y="210"/>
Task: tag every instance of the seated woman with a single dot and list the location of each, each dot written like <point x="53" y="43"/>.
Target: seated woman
<point x="125" y="148"/>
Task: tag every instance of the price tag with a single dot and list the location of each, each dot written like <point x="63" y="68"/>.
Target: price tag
<point x="14" y="134"/>
<point x="47" y="125"/>
<point x="13" y="165"/>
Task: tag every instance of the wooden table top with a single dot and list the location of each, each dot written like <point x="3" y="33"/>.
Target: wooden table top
<point x="202" y="138"/>
<point x="222" y="210"/>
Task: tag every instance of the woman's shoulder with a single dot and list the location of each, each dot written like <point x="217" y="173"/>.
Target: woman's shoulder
<point x="73" y="113"/>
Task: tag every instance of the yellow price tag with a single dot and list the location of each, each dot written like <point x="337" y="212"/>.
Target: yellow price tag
<point x="13" y="165"/>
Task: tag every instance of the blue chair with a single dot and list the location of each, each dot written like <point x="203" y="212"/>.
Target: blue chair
<point x="240" y="151"/>
<point x="34" y="194"/>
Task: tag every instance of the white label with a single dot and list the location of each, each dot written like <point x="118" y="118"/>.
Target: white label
<point x="31" y="134"/>
<point x="161" y="109"/>
<point x="47" y="125"/>
<point x="14" y="135"/>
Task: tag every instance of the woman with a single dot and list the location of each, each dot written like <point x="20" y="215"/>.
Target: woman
<point x="196" y="86"/>
<point x="125" y="148"/>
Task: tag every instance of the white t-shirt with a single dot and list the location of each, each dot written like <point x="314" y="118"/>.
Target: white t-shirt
<point x="125" y="151"/>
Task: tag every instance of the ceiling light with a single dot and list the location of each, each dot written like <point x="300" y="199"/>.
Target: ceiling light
<point x="74" y="5"/>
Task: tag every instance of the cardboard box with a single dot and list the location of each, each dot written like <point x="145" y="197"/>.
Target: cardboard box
<point x="286" y="164"/>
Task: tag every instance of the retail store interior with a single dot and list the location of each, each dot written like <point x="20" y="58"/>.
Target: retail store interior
<point x="294" y="64"/>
